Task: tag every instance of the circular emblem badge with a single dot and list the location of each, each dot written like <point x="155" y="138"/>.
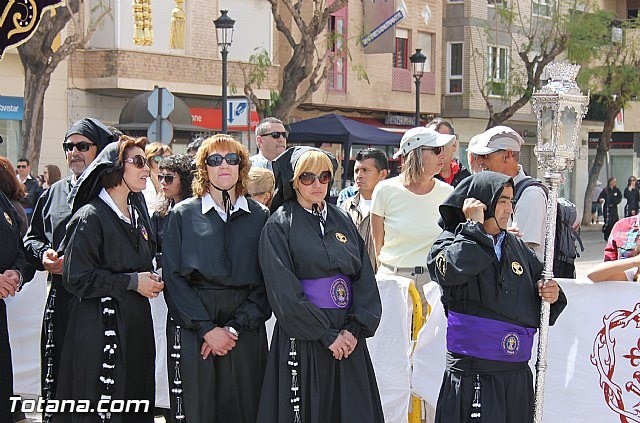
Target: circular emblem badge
<point x="517" y="268"/>
<point x="341" y="237"/>
<point x="8" y="218"/>
<point x="511" y="343"/>
<point x="340" y="293"/>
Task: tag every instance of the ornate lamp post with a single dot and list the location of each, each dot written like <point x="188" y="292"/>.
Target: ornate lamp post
<point x="559" y="107"/>
<point x="417" y="63"/>
<point x="224" y="35"/>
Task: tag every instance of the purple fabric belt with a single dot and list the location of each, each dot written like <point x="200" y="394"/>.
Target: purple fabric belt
<point x="488" y="339"/>
<point x="331" y="292"/>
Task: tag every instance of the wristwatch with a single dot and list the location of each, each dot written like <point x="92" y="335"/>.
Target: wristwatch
<point x="233" y="330"/>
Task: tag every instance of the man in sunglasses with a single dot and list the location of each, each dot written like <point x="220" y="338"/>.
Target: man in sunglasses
<point x="31" y="186"/>
<point x="498" y="149"/>
<point x="271" y="138"/>
<point x="82" y="143"/>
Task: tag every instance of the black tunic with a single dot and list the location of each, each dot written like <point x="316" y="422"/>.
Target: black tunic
<point x="212" y="280"/>
<point x="11" y="257"/>
<point x="476" y="283"/>
<point x="47" y="230"/>
<point x="292" y="247"/>
<point x="101" y="252"/>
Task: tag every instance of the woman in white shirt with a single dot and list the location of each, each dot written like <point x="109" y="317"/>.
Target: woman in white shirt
<point x="404" y="209"/>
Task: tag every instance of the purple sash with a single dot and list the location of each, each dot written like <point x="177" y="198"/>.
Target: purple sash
<point x="331" y="292"/>
<point x="488" y="339"/>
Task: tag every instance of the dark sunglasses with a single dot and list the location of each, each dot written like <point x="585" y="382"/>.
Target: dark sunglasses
<point x="435" y="150"/>
<point x="276" y="135"/>
<point x="21" y="166"/>
<point x="308" y="178"/>
<point x="138" y="161"/>
<point x="255" y="194"/>
<point x="158" y="159"/>
<point x="82" y="146"/>
<point x="215" y="160"/>
<point x="166" y="178"/>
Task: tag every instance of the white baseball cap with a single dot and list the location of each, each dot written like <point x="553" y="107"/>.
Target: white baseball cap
<point x="421" y="137"/>
<point x="494" y="139"/>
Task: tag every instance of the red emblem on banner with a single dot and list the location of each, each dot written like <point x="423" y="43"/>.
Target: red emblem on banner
<point x="616" y="355"/>
<point x="19" y="20"/>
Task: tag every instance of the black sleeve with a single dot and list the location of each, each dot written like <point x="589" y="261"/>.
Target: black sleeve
<point x="82" y="274"/>
<point x="183" y="302"/>
<point x="617" y="198"/>
<point x="298" y="316"/>
<point x="455" y="258"/>
<point x="36" y="242"/>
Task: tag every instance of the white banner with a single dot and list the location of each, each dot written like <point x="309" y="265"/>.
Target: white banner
<point x="593" y="372"/>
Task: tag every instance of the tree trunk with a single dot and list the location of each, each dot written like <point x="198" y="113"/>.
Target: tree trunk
<point x="36" y="84"/>
<point x="603" y="147"/>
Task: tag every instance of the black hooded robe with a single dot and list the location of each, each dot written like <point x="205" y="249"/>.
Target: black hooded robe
<point x="101" y="252"/>
<point x="476" y="283"/>
<point x="214" y="279"/>
<point x="11" y="257"/>
<point x="47" y="230"/>
<point x="292" y="247"/>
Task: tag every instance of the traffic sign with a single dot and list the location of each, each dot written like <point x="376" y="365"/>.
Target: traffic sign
<point x="160" y="131"/>
<point x="161" y="103"/>
<point x="238" y="111"/>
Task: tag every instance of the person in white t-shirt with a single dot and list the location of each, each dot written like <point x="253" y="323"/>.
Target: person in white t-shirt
<point x="404" y="209"/>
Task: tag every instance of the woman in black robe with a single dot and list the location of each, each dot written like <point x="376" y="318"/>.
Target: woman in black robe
<point x="492" y="296"/>
<point x="215" y="291"/>
<point x="109" y="350"/>
<point x="612" y="197"/>
<point x="323" y="292"/>
<point x="12" y="268"/>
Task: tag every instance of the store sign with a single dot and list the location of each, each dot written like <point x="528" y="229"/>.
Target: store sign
<point x="400" y="120"/>
<point x="11" y="108"/>
<point x="211" y="119"/>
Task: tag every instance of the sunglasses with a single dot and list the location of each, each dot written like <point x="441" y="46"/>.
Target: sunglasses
<point x="158" y="159"/>
<point x="138" y="161"/>
<point x="255" y="194"/>
<point x="308" y="178"/>
<point x="276" y="135"/>
<point x="435" y="150"/>
<point x="168" y="179"/>
<point x="82" y="146"/>
<point x="215" y="160"/>
<point x="21" y="166"/>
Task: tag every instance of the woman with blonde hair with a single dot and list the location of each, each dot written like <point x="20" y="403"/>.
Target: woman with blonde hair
<point x="154" y="152"/>
<point x="215" y="291"/>
<point x="323" y="292"/>
<point x="404" y="209"/>
<point x="261" y="185"/>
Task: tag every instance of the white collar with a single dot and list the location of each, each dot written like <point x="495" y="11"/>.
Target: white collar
<point x="104" y="196"/>
<point x="208" y="204"/>
<point x="323" y="213"/>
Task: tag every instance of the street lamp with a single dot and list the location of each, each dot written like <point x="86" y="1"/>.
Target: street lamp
<point x="224" y="35"/>
<point x="417" y="63"/>
<point x="559" y="107"/>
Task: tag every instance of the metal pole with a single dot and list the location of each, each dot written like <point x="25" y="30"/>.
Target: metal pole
<point x="159" y="117"/>
<point x="224" y="90"/>
<point x="417" y="101"/>
<point x="553" y="182"/>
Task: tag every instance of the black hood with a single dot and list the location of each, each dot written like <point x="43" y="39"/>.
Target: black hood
<point x="484" y="186"/>
<point x="93" y="129"/>
<point x="283" y="167"/>
<point x="89" y="185"/>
